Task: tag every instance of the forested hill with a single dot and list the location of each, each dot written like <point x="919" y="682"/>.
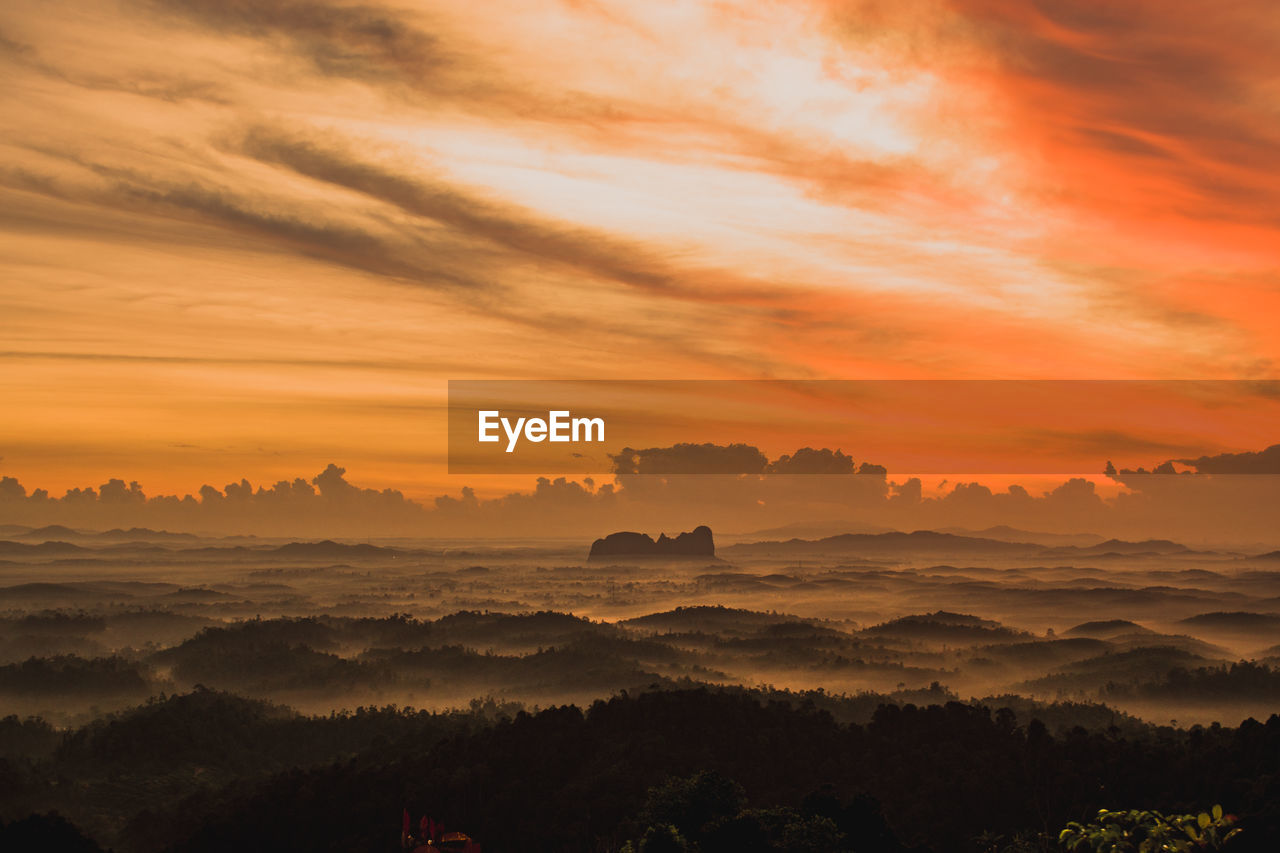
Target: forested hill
<point x="926" y="778"/>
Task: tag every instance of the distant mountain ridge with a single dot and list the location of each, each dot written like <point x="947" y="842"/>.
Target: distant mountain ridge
<point x="327" y="548"/>
<point x="1119" y="546"/>
<point x="918" y="542"/>
<point x="1005" y="533"/>
<point x="57" y="541"/>
<point x="53" y="547"/>
<point x="63" y="533"/>
<point x="934" y="542"/>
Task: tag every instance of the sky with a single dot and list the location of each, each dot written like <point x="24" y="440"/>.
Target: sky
<point x="251" y="238"/>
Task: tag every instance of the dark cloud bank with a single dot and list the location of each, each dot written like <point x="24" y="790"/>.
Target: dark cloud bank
<point x="1211" y="501"/>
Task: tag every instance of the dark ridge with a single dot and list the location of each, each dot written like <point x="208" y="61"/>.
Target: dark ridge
<point x="945" y="626"/>
<point x="1235" y="619"/>
<point x="145" y="533"/>
<point x="10" y="547"/>
<point x="1120" y="546"/>
<point x="51" y="531"/>
<point x="943" y="617"/>
<point x="43" y="590"/>
<point x="328" y="548"/>
<point x="1006" y="533"/>
<point x="62" y="532"/>
<point x="916" y="542"/>
<point x="1106" y="628"/>
<point x="707" y="617"/>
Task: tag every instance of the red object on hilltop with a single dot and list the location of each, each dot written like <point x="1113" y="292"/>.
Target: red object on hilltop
<point x="432" y="837"/>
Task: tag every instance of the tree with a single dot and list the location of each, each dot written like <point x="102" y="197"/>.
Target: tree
<point x="1136" y="831"/>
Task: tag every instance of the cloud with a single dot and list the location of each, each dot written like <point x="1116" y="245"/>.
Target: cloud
<point x="1143" y="95"/>
<point x="163" y="86"/>
<point x="594" y="252"/>
<point x="129" y="358"/>
<point x="283" y="222"/>
<point x="806" y="460"/>
<point x="1099" y="441"/>
<point x="704" y="458"/>
<point x="328" y="502"/>
<point x="359" y="41"/>
<point x="589" y="251"/>
<point x="1260" y="462"/>
<point x="747" y="493"/>
<point x="1248" y="462"/>
<point x="390" y="49"/>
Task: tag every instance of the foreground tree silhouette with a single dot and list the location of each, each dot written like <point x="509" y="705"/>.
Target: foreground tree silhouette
<point x="692" y="804"/>
<point x="45" y="832"/>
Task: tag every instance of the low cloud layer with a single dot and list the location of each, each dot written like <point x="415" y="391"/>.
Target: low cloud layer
<point x="1195" y="507"/>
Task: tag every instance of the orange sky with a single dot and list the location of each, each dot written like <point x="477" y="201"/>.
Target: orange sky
<point x="248" y="238"/>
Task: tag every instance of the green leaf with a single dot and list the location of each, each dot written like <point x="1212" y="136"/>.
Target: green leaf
<point x="1204" y="820"/>
<point x="1217" y="812"/>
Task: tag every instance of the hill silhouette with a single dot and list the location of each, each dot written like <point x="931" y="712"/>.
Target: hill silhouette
<point x="919" y="542"/>
<point x="328" y="549"/>
<point x="1106" y="628"/>
<point x="1120" y="546"/>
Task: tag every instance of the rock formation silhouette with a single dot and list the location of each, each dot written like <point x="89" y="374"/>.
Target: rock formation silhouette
<point x="694" y="543"/>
